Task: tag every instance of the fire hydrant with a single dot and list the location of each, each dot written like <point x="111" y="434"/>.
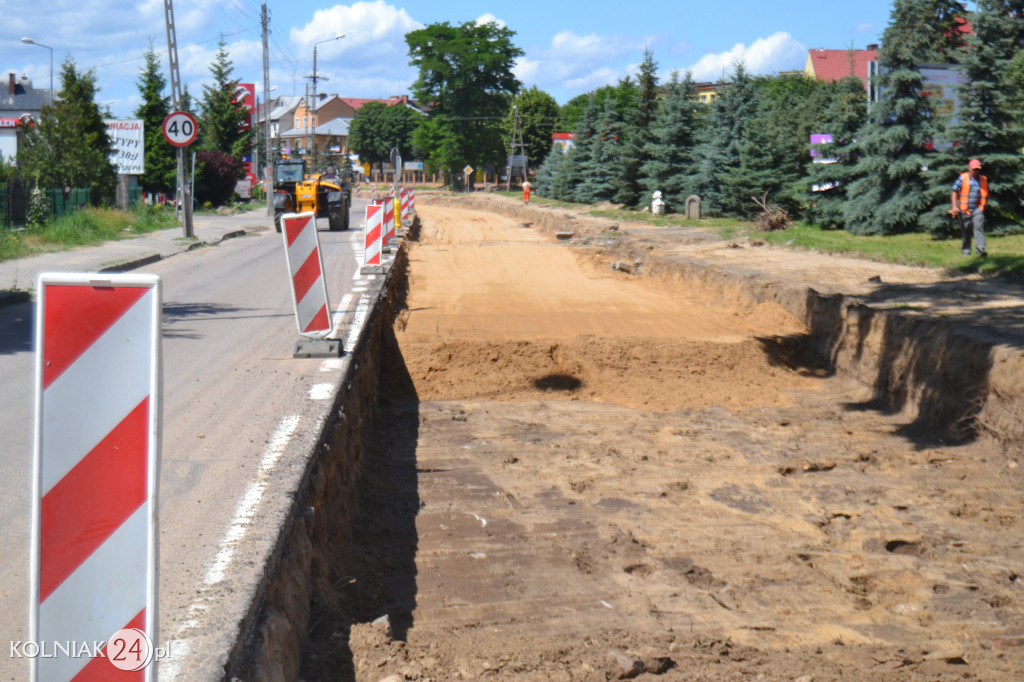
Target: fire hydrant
<point x="657" y="205"/>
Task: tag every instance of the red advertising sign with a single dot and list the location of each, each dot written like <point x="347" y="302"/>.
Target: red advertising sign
<point x="245" y="97"/>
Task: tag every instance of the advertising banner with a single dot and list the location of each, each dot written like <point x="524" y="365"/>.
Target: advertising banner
<point x="128" y="144"/>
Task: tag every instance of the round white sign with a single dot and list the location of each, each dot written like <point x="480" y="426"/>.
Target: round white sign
<point x="180" y="128"/>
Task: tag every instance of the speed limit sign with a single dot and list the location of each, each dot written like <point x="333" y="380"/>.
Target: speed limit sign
<point x="180" y="128"/>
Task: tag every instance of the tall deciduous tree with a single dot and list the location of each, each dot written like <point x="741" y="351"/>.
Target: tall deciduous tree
<point x="891" y="191"/>
<point x="69" y="146"/>
<point x="538" y="117"/>
<point x="466" y="79"/>
<point x="377" y="128"/>
<point x="989" y="125"/>
<point x="221" y="112"/>
<point x="161" y="161"/>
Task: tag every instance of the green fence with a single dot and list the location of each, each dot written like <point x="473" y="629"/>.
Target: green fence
<point x="65" y="203"/>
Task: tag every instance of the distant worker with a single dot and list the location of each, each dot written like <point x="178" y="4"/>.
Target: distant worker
<point x="330" y="173"/>
<point x="526" y="191"/>
<point x="970" y="194"/>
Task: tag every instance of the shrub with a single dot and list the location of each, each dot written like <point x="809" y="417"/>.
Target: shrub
<point x="216" y="175"/>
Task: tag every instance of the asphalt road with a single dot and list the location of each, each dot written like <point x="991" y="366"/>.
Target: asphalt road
<point x="229" y="380"/>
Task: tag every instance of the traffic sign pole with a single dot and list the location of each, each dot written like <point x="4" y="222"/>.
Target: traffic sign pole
<point x="180" y="130"/>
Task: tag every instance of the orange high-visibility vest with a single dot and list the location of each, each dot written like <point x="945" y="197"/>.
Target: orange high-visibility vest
<point x="965" y="191"/>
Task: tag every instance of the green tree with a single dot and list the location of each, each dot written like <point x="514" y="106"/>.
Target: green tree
<point x="465" y="76"/>
<point x="377" y="128"/>
<point x="69" y="146"/>
<point x="719" y="150"/>
<point x="989" y="123"/>
<point x="221" y="114"/>
<point x="580" y="156"/>
<point x="538" y="116"/>
<point x="161" y="159"/>
<point x="633" y="149"/>
<point x="844" y="114"/>
<point x="891" y="192"/>
<point x="670" y="150"/>
<point x="600" y="173"/>
<point x="624" y="93"/>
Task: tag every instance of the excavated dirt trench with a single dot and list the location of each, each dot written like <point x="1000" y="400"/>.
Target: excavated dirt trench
<point x="582" y="474"/>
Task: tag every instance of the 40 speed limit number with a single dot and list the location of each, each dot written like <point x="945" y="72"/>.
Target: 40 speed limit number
<point x="180" y="128"/>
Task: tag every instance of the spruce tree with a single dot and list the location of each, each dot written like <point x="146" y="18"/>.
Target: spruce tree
<point x="222" y="116"/>
<point x="718" y="152"/>
<point x="69" y="146"/>
<point x="844" y="114"/>
<point x="600" y="171"/>
<point x="891" y="191"/>
<point x="989" y="124"/>
<point x="669" y="152"/>
<point x="547" y="179"/>
<point x="633" y="149"/>
<point x="582" y="152"/>
<point x="161" y="160"/>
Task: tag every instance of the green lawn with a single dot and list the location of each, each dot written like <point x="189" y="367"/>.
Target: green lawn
<point x="84" y="227"/>
<point x="1006" y="253"/>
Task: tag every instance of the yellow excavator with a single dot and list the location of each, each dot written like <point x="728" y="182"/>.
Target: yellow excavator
<point x="295" y="192"/>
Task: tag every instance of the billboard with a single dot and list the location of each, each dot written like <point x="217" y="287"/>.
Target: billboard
<point x="128" y="146"/>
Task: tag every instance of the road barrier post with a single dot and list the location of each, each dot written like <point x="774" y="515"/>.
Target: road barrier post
<point x="308" y="286"/>
<point x="96" y="463"/>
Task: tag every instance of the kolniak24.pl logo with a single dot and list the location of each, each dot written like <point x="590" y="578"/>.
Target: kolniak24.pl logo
<point x="128" y="649"/>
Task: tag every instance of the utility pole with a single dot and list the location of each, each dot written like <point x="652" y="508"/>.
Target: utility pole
<point x="184" y="187"/>
<point x="268" y="185"/>
<point x="316" y="96"/>
<point x="517" y="144"/>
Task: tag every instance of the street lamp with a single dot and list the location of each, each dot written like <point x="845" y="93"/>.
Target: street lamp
<point x="29" y="41"/>
<point x="315" y="101"/>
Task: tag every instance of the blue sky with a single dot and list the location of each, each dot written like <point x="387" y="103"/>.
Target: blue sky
<point x="570" y="47"/>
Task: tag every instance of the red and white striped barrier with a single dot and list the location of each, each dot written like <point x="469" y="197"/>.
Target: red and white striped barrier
<point x="405" y="206"/>
<point x="94" y="507"/>
<point x="306" y="273"/>
<point x="359" y="191"/>
<point x="389" y="219"/>
<point x="374" y="233"/>
<point x="412" y="201"/>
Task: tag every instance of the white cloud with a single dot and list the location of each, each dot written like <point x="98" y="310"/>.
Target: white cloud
<point x="363" y="23"/>
<point x="594" y="79"/>
<point x="864" y="28"/>
<point x="778" y="51"/>
<point x="490" y="19"/>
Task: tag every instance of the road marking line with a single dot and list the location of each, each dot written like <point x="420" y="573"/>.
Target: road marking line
<point x="321" y="391"/>
<point x="247" y="506"/>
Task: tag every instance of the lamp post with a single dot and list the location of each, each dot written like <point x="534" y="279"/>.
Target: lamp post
<point x="29" y="41"/>
<point x="315" y="102"/>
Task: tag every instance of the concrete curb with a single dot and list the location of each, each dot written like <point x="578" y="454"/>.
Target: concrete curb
<point x="8" y="298"/>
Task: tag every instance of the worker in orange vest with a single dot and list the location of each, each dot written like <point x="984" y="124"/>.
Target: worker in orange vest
<point x="526" y="191"/>
<point x="970" y="194"/>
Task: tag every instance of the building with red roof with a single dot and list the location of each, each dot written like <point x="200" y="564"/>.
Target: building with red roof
<point x="834" y="65"/>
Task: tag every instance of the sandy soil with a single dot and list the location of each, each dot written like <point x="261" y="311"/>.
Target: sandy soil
<point x="586" y="475"/>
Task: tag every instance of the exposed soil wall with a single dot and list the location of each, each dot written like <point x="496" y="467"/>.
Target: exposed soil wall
<point x="318" y="530"/>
